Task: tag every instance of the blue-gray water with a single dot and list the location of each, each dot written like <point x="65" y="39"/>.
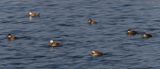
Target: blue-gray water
<point x="66" y="21"/>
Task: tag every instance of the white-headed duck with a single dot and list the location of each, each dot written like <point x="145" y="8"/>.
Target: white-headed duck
<point x="96" y="53"/>
<point x="147" y="35"/>
<point x="33" y="14"/>
<point x="92" y="21"/>
<point x="131" y="32"/>
<point x="11" y="37"/>
<point x="54" y="43"/>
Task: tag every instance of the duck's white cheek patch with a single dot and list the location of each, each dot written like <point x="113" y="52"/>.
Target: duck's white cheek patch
<point x="9" y="36"/>
<point x="30" y="13"/>
<point x="51" y="41"/>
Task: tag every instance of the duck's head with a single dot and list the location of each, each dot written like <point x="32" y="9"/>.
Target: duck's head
<point x="51" y="41"/>
<point x="9" y="35"/>
<point x="30" y="13"/>
<point x="89" y="20"/>
<point x="93" y="52"/>
<point x="129" y="30"/>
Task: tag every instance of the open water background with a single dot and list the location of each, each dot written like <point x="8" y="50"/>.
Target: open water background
<point x="66" y="21"/>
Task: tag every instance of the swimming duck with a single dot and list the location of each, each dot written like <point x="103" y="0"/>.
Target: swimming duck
<point x="11" y="37"/>
<point x="131" y="32"/>
<point x="33" y="14"/>
<point x="147" y="35"/>
<point x="96" y="53"/>
<point x="54" y="43"/>
<point x="92" y="21"/>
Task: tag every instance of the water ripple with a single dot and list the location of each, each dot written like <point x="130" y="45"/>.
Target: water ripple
<point x="66" y="21"/>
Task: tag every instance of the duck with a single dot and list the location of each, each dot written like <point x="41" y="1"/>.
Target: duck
<point x="33" y="14"/>
<point x="54" y="43"/>
<point x="11" y="37"/>
<point x="147" y="35"/>
<point x="92" y="21"/>
<point x="131" y="32"/>
<point x="96" y="53"/>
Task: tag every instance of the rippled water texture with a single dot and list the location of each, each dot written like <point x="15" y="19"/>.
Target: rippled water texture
<point x="66" y="21"/>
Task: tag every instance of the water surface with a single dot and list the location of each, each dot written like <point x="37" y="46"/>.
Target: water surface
<point x="66" y="21"/>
